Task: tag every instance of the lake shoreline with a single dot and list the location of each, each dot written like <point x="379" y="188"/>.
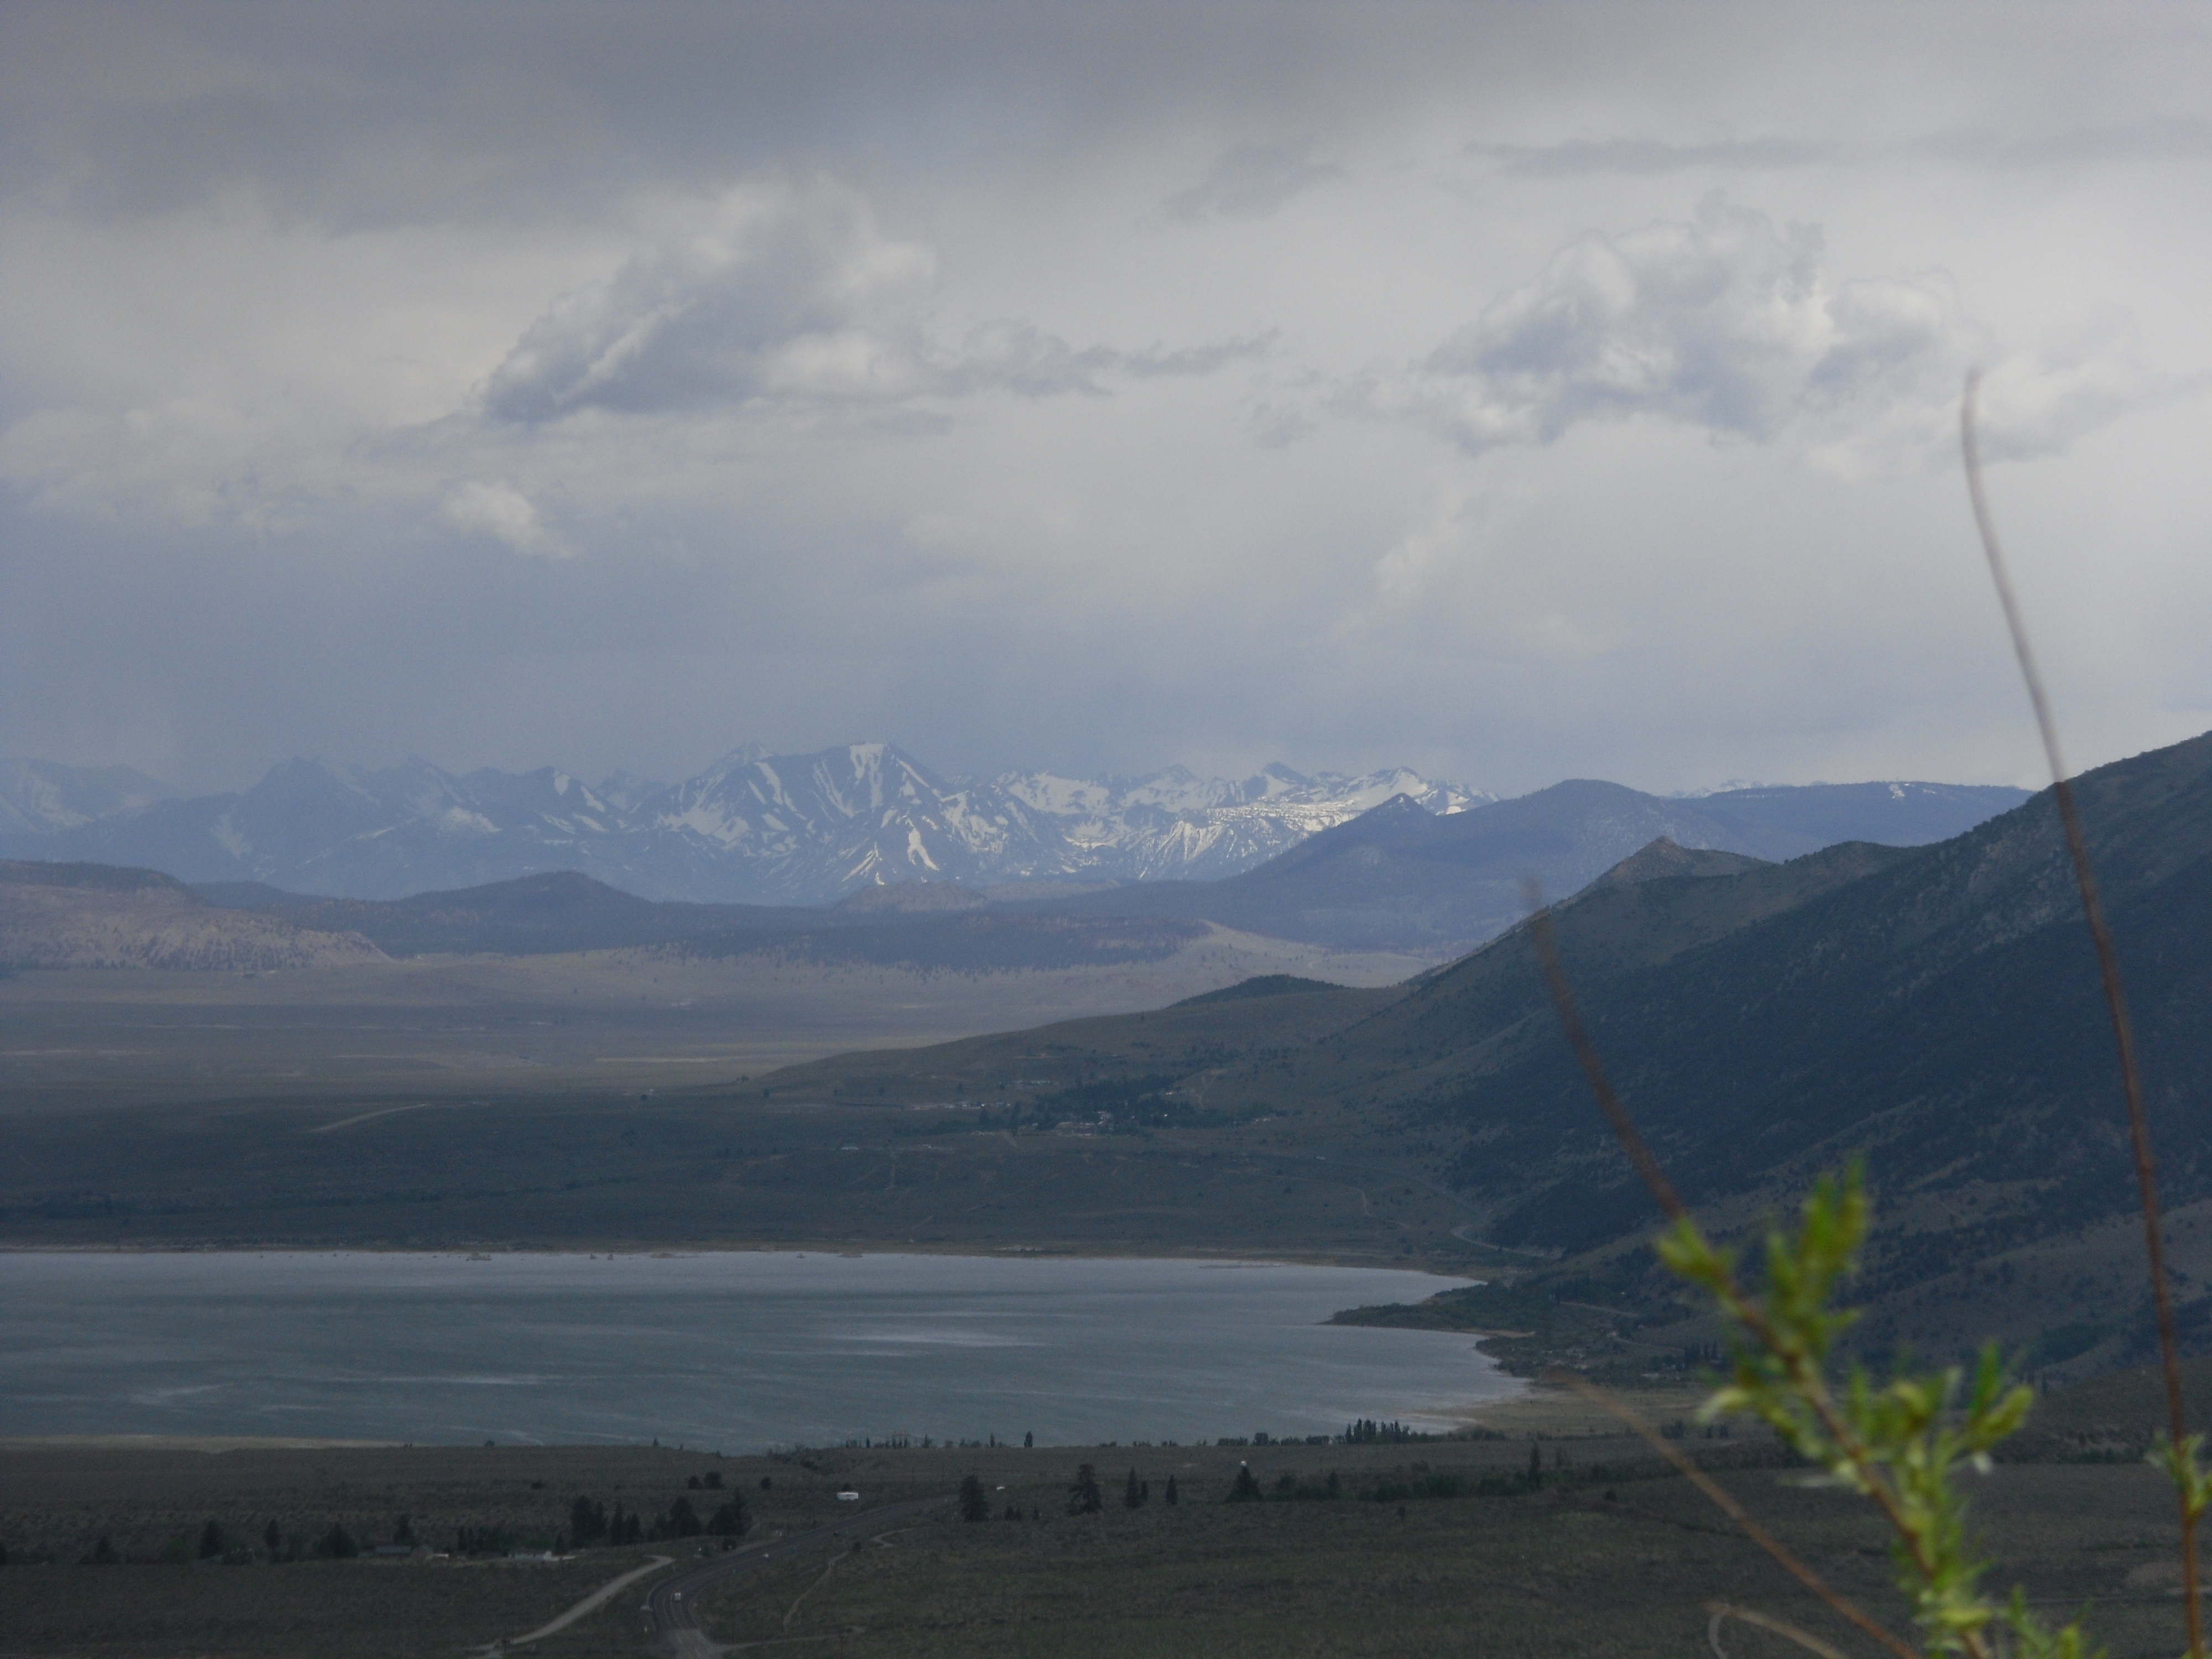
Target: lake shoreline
<point x="1378" y="1262"/>
<point x="734" y="1348"/>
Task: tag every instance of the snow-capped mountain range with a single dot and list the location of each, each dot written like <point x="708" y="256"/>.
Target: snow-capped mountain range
<point x="752" y="828"/>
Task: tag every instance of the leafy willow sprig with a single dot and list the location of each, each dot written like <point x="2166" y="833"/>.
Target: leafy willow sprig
<point x="1903" y="1444"/>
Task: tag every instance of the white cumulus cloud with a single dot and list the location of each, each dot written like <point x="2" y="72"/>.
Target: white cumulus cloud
<point x="505" y="513"/>
<point x="774" y="290"/>
<point x="781" y="293"/>
<point x="1731" y="322"/>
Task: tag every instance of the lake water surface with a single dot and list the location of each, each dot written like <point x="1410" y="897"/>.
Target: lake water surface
<point x="735" y="1352"/>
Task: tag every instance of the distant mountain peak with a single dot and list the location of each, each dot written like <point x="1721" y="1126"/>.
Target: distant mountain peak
<point x="1664" y="857"/>
<point x="1398" y="806"/>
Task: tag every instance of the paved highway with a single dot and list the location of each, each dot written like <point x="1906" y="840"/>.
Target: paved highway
<point x="669" y="1615"/>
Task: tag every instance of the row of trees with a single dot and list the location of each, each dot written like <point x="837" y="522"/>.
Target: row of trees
<point x="589" y="1523"/>
<point x="277" y="1546"/>
<point x="1084" y="1496"/>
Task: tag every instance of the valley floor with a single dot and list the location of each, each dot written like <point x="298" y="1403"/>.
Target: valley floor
<point x="1610" y="1555"/>
<point x="625" y="1019"/>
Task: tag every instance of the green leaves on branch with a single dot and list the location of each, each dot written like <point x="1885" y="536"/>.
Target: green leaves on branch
<point x="1900" y="1445"/>
<point x="2184" y="1467"/>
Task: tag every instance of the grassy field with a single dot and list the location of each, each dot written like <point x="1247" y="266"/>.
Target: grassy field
<point x="1609" y="1555"/>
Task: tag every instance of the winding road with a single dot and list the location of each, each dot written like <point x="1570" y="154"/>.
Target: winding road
<point x="670" y="1618"/>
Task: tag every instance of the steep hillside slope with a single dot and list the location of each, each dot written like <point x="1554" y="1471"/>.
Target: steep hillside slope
<point x="1941" y="1011"/>
<point x="1935" y="1009"/>
<point x="1652" y="906"/>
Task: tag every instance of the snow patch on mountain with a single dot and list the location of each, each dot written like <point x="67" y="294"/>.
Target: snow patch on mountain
<point x="752" y="827"/>
<point x="1174" y="824"/>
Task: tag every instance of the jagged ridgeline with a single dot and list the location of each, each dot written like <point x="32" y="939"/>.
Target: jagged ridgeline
<point x="782" y="829"/>
<point x="753" y="828"/>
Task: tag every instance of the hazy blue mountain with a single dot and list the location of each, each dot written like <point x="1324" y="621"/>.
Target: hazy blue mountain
<point x="1388" y="857"/>
<point x="1400" y="876"/>
<point x="40" y="798"/>
<point x="269" y="832"/>
<point x="1784" y="823"/>
<point x="754" y="828"/>
<point x="307" y="827"/>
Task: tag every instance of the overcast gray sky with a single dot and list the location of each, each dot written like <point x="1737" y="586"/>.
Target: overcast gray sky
<point x="1516" y="392"/>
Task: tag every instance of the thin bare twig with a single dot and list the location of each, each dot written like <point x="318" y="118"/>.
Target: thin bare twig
<point x="1545" y="938"/>
<point x="1724" y="1501"/>
<point x="2108" y="967"/>
<point x="1739" y="1302"/>
<point x="1722" y="1612"/>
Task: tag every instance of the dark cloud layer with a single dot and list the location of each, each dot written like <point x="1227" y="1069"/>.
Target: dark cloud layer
<point x="1514" y="391"/>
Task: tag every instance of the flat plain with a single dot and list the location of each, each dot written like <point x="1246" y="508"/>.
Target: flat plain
<point x="1610" y="1555"/>
<point x="631" y="1018"/>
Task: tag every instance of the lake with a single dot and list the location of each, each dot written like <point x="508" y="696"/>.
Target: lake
<point x="736" y="1352"/>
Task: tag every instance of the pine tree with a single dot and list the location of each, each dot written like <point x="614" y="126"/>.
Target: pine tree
<point x="1133" y="1496"/>
<point x="1247" y="1489"/>
<point x="586" y="1522"/>
<point x="210" y="1541"/>
<point x="974" y="1504"/>
<point x="1083" y="1498"/>
<point x="1170" y="1495"/>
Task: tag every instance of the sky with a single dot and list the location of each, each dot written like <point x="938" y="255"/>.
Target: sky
<point x="1515" y="391"/>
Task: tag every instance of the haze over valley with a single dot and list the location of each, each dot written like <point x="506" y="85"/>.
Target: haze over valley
<point x="919" y="829"/>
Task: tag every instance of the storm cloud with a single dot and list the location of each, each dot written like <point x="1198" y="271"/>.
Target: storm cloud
<point x="1515" y="392"/>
